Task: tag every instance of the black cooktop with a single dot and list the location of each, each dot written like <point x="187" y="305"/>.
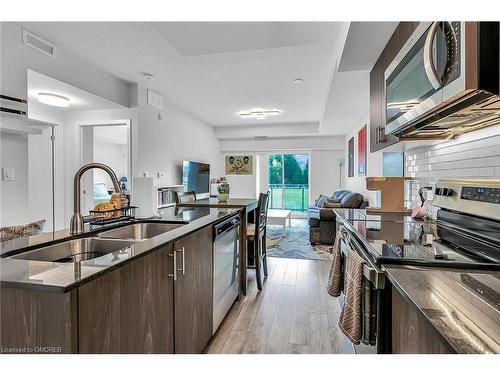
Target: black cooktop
<point x="400" y="239"/>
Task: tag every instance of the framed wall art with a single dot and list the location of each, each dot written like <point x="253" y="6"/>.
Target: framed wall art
<point x="239" y="165"/>
<point x="350" y="158"/>
<point x="362" y="151"/>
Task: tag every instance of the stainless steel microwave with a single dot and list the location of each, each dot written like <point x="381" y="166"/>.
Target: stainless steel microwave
<point x="444" y="81"/>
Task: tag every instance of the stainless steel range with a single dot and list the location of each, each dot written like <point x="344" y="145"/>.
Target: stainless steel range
<point x="466" y="234"/>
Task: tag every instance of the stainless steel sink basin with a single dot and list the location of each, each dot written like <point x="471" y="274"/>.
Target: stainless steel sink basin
<point x="75" y="250"/>
<point x="139" y="231"/>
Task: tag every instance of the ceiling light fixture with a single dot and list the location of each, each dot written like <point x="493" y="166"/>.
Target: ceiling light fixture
<point x="148" y="76"/>
<point x="259" y="114"/>
<point x="298" y="80"/>
<point x="53" y="99"/>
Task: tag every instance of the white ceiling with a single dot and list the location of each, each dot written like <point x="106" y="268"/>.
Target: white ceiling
<point x="364" y="43"/>
<point x="214" y="86"/>
<point x="80" y="100"/>
<point x="215" y="70"/>
<point x="203" y="38"/>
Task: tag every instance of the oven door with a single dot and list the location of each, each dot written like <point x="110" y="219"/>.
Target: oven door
<point x="376" y="320"/>
<point x="430" y="60"/>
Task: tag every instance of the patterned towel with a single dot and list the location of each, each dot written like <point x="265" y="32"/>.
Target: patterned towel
<point x="350" y="317"/>
<point x="334" y="284"/>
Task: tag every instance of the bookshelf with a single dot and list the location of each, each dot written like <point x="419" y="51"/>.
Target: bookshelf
<point x="165" y="195"/>
<point x="150" y="197"/>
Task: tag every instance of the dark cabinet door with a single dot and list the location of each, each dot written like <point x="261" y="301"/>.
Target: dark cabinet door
<point x="193" y="291"/>
<point x="129" y="310"/>
<point x="378" y="138"/>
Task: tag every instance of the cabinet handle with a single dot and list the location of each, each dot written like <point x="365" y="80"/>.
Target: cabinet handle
<point x="174" y="275"/>
<point x="377" y="135"/>
<point x="183" y="269"/>
<point x="381" y="137"/>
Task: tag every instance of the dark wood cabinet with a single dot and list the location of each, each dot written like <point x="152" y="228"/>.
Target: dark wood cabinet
<point x="129" y="310"/>
<point x="136" y="308"/>
<point x="411" y="333"/>
<point x="193" y="291"/>
<point x="378" y="138"/>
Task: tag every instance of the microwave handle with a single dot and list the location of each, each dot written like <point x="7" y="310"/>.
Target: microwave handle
<point x="430" y="68"/>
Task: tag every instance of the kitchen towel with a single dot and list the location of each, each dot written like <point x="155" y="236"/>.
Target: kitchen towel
<point x="334" y="284"/>
<point x="350" y="317"/>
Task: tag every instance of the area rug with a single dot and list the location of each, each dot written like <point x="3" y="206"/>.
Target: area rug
<point x="296" y="244"/>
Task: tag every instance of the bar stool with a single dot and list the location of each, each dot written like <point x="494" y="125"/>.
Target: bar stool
<point x="256" y="234"/>
<point x="184" y="197"/>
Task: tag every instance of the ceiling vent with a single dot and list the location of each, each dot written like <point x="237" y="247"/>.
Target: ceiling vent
<point x="35" y="42"/>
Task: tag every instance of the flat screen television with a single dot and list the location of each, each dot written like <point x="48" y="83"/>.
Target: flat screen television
<point x="196" y="176"/>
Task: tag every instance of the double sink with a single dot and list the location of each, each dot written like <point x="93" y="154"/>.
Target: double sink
<point x="108" y="241"/>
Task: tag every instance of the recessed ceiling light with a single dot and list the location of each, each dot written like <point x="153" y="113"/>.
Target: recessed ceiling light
<point x="53" y="99"/>
<point x="148" y="76"/>
<point x="298" y="80"/>
<point x="259" y="114"/>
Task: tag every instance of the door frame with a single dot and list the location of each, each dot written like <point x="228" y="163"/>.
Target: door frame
<point x="84" y="125"/>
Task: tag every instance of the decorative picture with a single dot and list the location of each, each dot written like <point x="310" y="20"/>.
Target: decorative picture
<point x="350" y="157"/>
<point x="362" y="151"/>
<point x="239" y="165"/>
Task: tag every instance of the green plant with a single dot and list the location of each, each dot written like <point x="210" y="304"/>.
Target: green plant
<point x="223" y="188"/>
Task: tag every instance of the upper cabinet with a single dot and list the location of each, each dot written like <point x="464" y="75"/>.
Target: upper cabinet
<point x="378" y="138"/>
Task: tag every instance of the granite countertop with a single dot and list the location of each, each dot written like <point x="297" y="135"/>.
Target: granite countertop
<point x="62" y="277"/>
<point x="463" y="305"/>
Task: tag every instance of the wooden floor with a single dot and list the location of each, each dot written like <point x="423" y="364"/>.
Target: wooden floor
<point x="293" y="314"/>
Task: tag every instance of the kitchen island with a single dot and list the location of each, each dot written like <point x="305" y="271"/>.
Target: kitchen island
<point x="125" y="301"/>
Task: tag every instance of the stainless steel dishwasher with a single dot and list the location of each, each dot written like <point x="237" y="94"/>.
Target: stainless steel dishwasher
<point x="226" y="282"/>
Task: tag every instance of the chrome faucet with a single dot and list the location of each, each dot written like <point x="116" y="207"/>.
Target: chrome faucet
<point x="76" y="224"/>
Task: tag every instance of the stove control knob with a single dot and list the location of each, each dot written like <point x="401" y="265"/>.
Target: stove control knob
<point x="447" y="192"/>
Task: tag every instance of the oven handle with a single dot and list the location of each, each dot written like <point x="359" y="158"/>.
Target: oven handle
<point x="370" y="272"/>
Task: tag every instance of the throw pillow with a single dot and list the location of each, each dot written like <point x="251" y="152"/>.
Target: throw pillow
<point x="321" y="200"/>
<point x="332" y="205"/>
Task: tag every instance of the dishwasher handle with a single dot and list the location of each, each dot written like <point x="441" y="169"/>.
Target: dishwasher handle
<point x="226" y="226"/>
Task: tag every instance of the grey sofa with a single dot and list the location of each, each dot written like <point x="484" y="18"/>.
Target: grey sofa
<point x="322" y="220"/>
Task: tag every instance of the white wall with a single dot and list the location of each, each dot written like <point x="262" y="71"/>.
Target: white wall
<point x="164" y="144"/>
<point x="16" y="60"/>
<point x="282" y="144"/>
<point x="112" y="154"/>
<point x="324" y="172"/>
<point x="473" y="155"/>
<point x="14" y="194"/>
<point x="244" y="186"/>
<point x="73" y="144"/>
<point x="374" y="165"/>
<point x="324" y="177"/>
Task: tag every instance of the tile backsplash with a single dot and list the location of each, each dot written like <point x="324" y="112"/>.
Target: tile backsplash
<point x="461" y="158"/>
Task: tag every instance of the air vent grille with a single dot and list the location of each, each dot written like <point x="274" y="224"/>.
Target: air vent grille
<point x="35" y="42"/>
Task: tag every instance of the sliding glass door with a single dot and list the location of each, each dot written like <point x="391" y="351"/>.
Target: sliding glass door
<point x="289" y="181"/>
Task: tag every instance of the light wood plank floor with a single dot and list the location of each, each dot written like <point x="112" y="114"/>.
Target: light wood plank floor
<point x="293" y="314"/>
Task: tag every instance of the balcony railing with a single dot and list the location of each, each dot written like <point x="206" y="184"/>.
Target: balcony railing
<point x="293" y="197"/>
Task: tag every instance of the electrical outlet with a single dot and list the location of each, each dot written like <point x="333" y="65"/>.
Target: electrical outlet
<point x="8" y="174"/>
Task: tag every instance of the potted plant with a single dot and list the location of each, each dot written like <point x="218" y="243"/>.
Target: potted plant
<point x="222" y="189"/>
